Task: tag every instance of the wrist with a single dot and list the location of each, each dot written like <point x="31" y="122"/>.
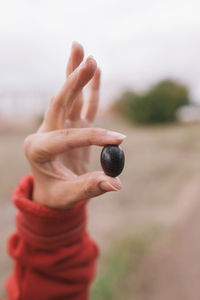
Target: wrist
<point x="39" y="195"/>
<point x="42" y="225"/>
<point x="46" y="193"/>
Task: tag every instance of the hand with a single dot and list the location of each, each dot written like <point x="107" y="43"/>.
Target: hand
<point x="59" y="152"/>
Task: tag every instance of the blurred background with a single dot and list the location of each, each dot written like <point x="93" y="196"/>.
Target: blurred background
<point x="148" y="52"/>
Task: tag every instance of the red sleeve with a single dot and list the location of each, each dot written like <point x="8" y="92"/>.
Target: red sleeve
<point x="54" y="255"/>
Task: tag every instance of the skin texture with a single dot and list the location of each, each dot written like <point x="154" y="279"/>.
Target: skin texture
<point x="59" y="152"/>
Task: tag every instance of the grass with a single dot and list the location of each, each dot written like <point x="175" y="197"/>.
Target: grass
<point x="114" y="282"/>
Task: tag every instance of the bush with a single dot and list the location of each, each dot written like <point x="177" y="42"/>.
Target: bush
<point x="158" y="105"/>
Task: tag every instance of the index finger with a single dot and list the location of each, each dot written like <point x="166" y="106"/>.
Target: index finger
<point x="43" y="147"/>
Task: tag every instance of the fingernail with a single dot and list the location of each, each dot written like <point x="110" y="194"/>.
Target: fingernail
<point x="117" y="135"/>
<point x="91" y="61"/>
<point x="108" y="187"/>
<point x="75" y="43"/>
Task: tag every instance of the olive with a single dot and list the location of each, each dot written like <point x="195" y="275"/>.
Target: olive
<point x="112" y="160"/>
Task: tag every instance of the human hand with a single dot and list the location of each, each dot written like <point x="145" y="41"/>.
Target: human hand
<point x="59" y="152"/>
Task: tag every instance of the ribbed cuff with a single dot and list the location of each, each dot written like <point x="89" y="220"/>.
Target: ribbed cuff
<point x="46" y="227"/>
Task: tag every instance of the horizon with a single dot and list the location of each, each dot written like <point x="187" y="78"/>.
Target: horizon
<point x="135" y="43"/>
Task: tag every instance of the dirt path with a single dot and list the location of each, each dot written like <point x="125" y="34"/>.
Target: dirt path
<point x="172" y="272"/>
<point x="6" y="228"/>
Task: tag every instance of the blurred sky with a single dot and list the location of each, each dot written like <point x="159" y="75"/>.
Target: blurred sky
<point x="135" y="43"/>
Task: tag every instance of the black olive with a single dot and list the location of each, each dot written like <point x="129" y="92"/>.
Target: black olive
<point x="112" y="160"/>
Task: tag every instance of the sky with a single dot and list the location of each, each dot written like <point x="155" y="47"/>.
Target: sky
<point x="135" y="42"/>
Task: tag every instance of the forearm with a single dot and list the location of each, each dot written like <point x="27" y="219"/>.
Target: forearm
<point x="54" y="256"/>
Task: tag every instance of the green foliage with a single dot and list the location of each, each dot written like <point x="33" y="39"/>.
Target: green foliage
<point x="157" y="105"/>
<point x="114" y="282"/>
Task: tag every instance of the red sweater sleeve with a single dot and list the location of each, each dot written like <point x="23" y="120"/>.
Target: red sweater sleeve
<point x="54" y="255"/>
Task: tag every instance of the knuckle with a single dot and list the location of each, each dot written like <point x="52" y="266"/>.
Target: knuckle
<point x="97" y="131"/>
<point x="102" y="131"/>
<point x="66" y="131"/>
<point x="92" y="131"/>
<point x="89" y="191"/>
<point x="28" y="146"/>
<point x="89" y="137"/>
<point x="66" y="134"/>
<point x="91" y="188"/>
<point x="94" y="134"/>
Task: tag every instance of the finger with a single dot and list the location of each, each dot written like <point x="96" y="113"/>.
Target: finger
<point x="75" y="112"/>
<point x="50" y="122"/>
<point x="93" y="99"/>
<point x="88" y="186"/>
<point x="43" y="147"/>
<point x="76" y="57"/>
<point x="71" y="88"/>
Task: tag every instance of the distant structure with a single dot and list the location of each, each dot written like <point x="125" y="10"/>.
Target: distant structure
<point x="23" y="103"/>
<point x="189" y="113"/>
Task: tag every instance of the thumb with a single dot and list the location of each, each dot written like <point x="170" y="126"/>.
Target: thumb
<point x="91" y="185"/>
